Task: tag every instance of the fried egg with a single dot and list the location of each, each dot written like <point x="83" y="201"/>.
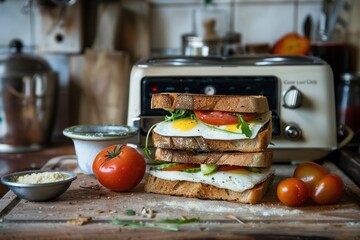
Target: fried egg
<point x="231" y="180"/>
<point x="187" y="127"/>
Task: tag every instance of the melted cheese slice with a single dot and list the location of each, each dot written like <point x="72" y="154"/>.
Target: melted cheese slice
<point x="195" y="128"/>
<point x="231" y="180"/>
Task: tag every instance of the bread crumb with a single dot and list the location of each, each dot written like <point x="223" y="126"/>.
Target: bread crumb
<point x="79" y="220"/>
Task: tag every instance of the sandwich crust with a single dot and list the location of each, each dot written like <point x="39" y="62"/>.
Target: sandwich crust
<point x="228" y="103"/>
<point x="200" y="144"/>
<point x="256" y="159"/>
<point x="205" y="191"/>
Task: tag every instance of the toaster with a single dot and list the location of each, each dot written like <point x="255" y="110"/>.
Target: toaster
<point x="299" y="89"/>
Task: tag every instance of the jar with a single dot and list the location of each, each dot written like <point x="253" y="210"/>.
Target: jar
<point x="349" y="101"/>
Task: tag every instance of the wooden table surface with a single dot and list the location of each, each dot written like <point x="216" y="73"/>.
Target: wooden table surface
<point x="87" y="199"/>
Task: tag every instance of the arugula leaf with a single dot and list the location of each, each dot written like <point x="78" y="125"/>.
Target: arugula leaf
<point x="244" y="125"/>
<point x="179" y="113"/>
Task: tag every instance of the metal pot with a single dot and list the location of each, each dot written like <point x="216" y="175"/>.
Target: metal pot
<point x="28" y="91"/>
<point x="228" y="45"/>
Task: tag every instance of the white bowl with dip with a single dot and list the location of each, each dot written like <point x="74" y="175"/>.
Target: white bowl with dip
<point x="89" y="140"/>
<point x="39" y="185"/>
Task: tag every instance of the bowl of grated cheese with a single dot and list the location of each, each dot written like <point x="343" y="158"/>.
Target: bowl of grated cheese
<point x="39" y="185"/>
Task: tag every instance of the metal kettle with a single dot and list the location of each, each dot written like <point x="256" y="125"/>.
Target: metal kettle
<point x="28" y="93"/>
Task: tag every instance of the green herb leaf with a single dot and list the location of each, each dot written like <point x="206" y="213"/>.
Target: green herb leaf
<point x="172" y="224"/>
<point x="179" y="220"/>
<point x="179" y="113"/>
<point x="138" y="224"/>
<point x="130" y="212"/>
<point x="191" y="170"/>
<point x="146" y="149"/>
<point x="244" y="126"/>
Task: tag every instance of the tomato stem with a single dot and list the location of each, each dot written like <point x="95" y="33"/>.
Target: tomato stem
<point x="116" y="152"/>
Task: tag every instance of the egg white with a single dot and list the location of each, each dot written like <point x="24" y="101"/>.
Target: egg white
<point x="232" y="181"/>
<point x="213" y="132"/>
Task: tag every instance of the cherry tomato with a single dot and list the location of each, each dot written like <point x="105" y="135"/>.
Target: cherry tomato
<point x="310" y="173"/>
<point x="181" y="167"/>
<point x="221" y="118"/>
<point x="292" y="192"/>
<point x="328" y="190"/>
<point x="119" y="167"/>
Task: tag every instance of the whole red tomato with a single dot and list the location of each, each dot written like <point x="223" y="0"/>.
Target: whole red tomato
<point x="310" y="173"/>
<point x="119" y="167"/>
<point x="328" y="190"/>
<point x="292" y="192"/>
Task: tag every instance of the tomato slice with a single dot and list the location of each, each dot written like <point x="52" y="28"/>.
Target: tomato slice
<point x="221" y="118"/>
<point x="182" y="167"/>
<point x="228" y="168"/>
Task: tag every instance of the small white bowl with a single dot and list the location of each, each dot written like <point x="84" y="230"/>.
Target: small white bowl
<point x="89" y="140"/>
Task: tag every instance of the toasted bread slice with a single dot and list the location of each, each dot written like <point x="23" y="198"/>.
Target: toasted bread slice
<point x="205" y="191"/>
<point x="255" y="159"/>
<point x="228" y="103"/>
<point x="257" y="144"/>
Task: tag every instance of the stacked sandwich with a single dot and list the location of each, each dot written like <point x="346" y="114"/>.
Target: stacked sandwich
<point x="212" y="147"/>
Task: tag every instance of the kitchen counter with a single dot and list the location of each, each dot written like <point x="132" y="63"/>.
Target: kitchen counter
<point x="87" y="210"/>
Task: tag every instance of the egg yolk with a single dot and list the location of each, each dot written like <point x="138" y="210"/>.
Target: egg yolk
<point x="184" y="124"/>
<point x="232" y="128"/>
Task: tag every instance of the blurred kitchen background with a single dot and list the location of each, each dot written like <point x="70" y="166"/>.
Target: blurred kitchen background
<point x="93" y="44"/>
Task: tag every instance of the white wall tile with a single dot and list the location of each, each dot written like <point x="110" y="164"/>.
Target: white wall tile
<point x="15" y="23"/>
<point x="259" y="21"/>
<point x="308" y="8"/>
<point x="168" y="24"/>
<point x="265" y="22"/>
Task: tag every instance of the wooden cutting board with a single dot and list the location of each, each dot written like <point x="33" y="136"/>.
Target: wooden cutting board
<point x="105" y="77"/>
<point x="86" y="198"/>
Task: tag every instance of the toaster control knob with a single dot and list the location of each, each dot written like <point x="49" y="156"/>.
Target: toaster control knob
<point x="209" y="90"/>
<point x="293" y="132"/>
<point x="292" y="98"/>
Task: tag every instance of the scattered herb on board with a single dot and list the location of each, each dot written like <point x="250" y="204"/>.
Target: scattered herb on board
<point x="165" y="224"/>
<point x="179" y="221"/>
<point x="130" y="212"/>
